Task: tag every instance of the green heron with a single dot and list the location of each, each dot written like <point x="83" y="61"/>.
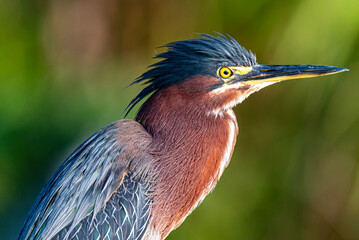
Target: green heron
<point x="139" y="179"/>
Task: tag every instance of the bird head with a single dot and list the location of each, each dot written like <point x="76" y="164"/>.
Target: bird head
<point x="217" y="71"/>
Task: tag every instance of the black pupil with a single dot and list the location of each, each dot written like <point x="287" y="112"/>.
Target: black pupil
<point x="226" y="72"/>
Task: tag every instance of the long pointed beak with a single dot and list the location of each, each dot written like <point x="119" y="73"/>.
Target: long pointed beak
<point x="276" y="73"/>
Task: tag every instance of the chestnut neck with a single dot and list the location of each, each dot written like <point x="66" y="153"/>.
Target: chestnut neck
<point x="188" y="147"/>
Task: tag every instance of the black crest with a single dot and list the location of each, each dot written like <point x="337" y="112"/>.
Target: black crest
<point x="199" y="56"/>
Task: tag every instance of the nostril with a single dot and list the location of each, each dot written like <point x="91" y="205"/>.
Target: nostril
<point x="265" y="70"/>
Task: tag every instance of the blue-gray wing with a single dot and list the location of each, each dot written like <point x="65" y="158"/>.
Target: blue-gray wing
<point x="99" y="192"/>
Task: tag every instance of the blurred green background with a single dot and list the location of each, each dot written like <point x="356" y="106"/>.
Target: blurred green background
<point x="294" y="174"/>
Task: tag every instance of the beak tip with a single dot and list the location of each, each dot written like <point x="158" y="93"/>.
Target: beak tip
<point x="339" y="69"/>
<point x="333" y="70"/>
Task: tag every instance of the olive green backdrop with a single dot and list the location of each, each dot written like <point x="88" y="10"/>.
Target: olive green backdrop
<point x="64" y="66"/>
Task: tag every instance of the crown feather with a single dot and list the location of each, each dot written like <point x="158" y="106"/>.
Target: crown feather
<point x="198" y="56"/>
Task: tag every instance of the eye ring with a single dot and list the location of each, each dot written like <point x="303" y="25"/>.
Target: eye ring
<point x="225" y="72"/>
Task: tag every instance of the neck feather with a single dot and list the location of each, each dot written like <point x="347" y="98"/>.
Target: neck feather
<point x="191" y="149"/>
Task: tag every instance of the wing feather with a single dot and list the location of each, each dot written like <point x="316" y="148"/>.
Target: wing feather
<point x="80" y="194"/>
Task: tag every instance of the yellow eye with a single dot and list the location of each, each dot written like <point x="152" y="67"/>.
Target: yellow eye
<point x="225" y="72"/>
